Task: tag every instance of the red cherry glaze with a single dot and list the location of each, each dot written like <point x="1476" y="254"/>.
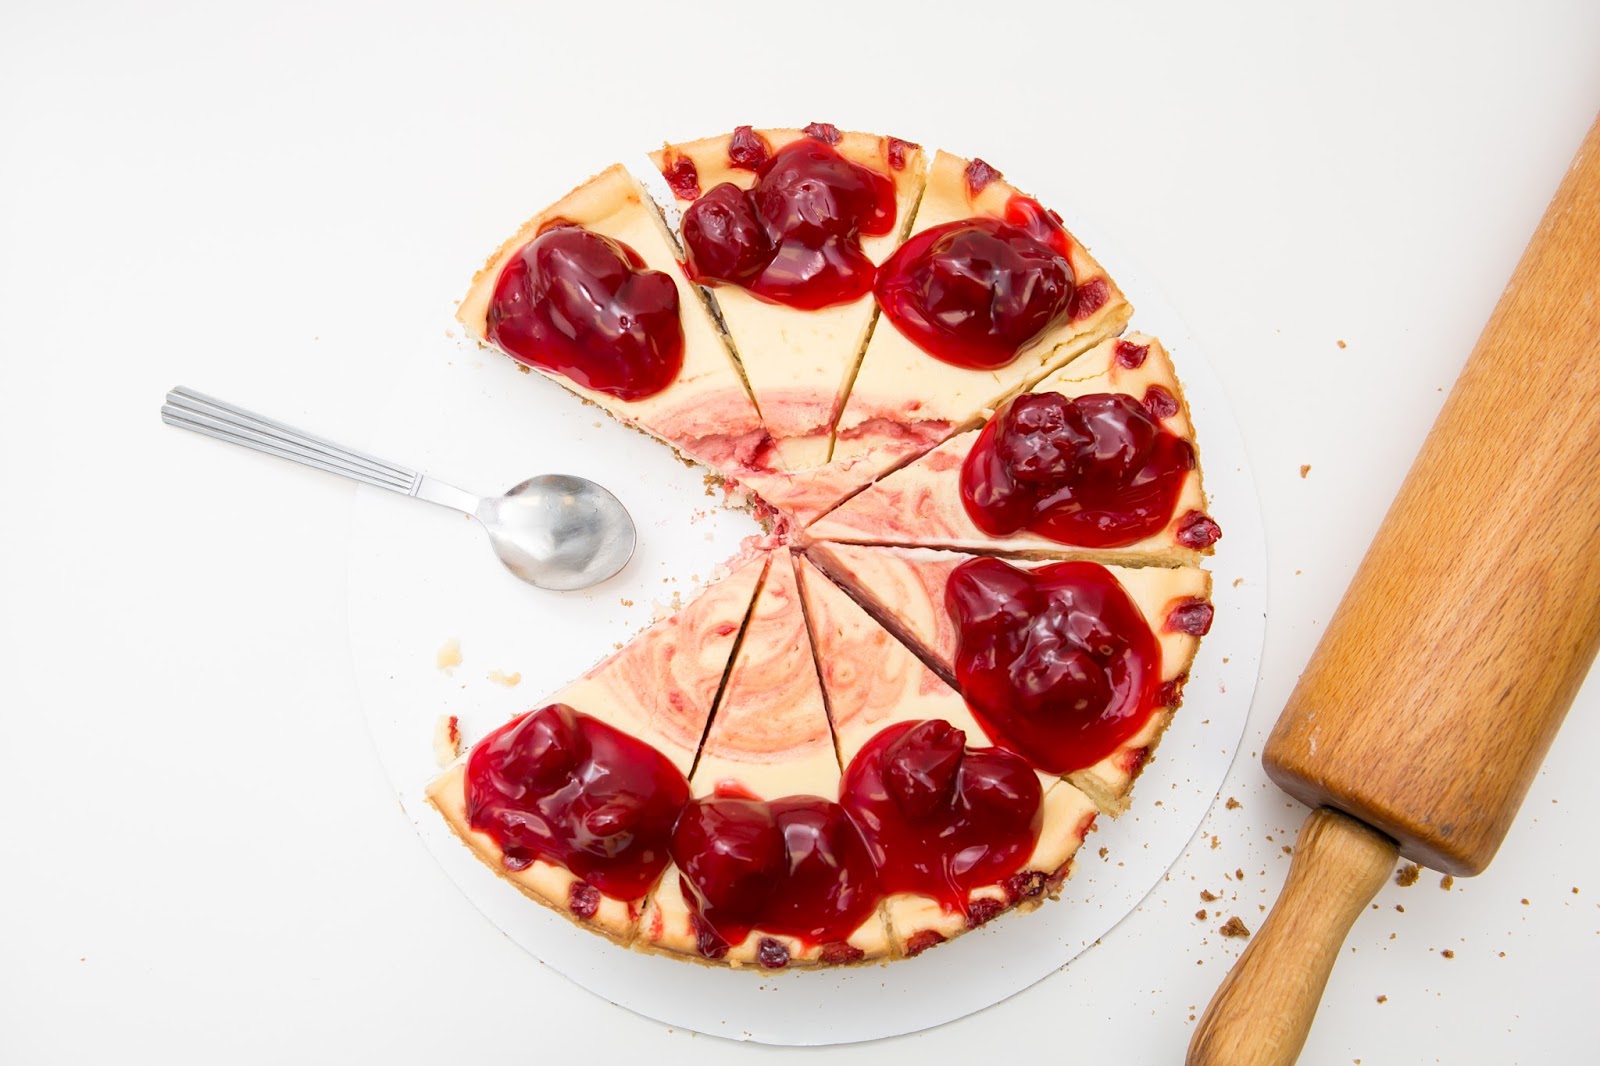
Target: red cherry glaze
<point x="1038" y="222"/>
<point x="975" y="292"/>
<point x="826" y="132"/>
<point x="1058" y="664"/>
<point x="940" y="818"/>
<point x="1131" y="356"/>
<point x="898" y="150"/>
<point x="1096" y="471"/>
<point x="983" y="910"/>
<point x="682" y="175"/>
<point x="1171" y="694"/>
<point x="919" y="942"/>
<point x="584" y="306"/>
<point x="559" y="786"/>
<point x="1160" y="403"/>
<point x="794" y="867"/>
<point x="795" y="237"/>
<point x="1192" y="617"/>
<point x="840" y="954"/>
<point x="1198" y="531"/>
<point x="979" y="175"/>
<point x="747" y="149"/>
<point x="1029" y="884"/>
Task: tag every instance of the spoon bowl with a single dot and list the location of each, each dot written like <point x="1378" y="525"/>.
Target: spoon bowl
<point x="558" y="531"/>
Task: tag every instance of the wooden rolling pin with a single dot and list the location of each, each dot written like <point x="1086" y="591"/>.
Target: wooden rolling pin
<point x="1452" y="659"/>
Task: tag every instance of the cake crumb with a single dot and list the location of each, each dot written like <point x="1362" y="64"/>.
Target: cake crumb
<point x="1215" y="843"/>
<point x="1233" y="804"/>
<point x="626" y="602"/>
<point x="1524" y="901"/>
<point x="1201" y="914"/>
<point x="1287" y="850"/>
<point x="1238" y="581"/>
<point x="1447" y="953"/>
<point x="1447" y="882"/>
<point x="1104" y="852"/>
<point x="1305" y="468"/>
<point x="1238" y="875"/>
<point x="1209" y="896"/>
<point x="1383" y="999"/>
<point x="446" y="740"/>
<point x="1233" y="927"/>
<point x="524" y="368"/>
<point x="448" y="657"/>
<point x="1407" y="875"/>
<point x="511" y="680"/>
<point x="1399" y="909"/>
<point x="1342" y="344"/>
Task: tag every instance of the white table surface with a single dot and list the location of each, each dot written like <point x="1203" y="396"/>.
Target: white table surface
<point x="202" y="860"/>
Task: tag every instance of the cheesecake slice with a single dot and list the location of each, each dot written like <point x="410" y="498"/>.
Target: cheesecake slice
<point x="959" y="832"/>
<point x="574" y="802"/>
<point x="589" y="293"/>
<point x="1096" y="461"/>
<point x="768" y="869"/>
<point x="786" y="228"/>
<point x="989" y="294"/>
<point x="1076" y="666"/>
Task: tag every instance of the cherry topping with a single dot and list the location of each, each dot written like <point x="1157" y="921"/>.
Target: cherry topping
<point x="583" y="899"/>
<point x="921" y="941"/>
<point x="682" y="175"/>
<point x="840" y="953"/>
<point x="1090" y="297"/>
<point x="794" y="238"/>
<point x="898" y="150"/>
<point x="1097" y="470"/>
<point x="1058" y="664"/>
<point x="979" y="175"/>
<point x="1171" y="694"/>
<point x="1192" y="617"/>
<point x="747" y="149"/>
<point x="1038" y="222"/>
<point x="983" y="910"/>
<point x="1159" y="402"/>
<point x="795" y="866"/>
<point x="939" y="818"/>
<point x="1131" y="356"/>
<point x="975" y="292"/>
<point x="1197" y="531"/>
<point x="559" y="786"/>
<point x="1029" y="884"/>
<point x="826" y="132"/>
<point x="771" y="954"/>
<point x="583" y="305"/>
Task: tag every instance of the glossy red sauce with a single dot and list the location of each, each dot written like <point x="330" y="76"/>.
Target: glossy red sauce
<point x="1057" y="663"/>
<point x="795" y="867"/>
<point x="585" y="306"/>
<point x="976" y="292"/>
<point x="1198" y="531"/>
<point x="747" y="149"/>
<point x="794" y="238"/>
<point x="558" y="786"/>
<point x="940" y="818"/>
<point x="683" y="177"/>
<point x="1098" y="471"/>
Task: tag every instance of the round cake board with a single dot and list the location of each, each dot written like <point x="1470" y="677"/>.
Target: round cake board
<point x="424" y="591"/>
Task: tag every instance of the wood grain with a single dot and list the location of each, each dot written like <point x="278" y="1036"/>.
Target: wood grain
<point x="1448" y="667"/>
<point x="1263" y="1011"/>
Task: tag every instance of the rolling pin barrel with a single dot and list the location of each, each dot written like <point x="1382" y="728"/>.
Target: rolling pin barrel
<point x="1447" y="668"/>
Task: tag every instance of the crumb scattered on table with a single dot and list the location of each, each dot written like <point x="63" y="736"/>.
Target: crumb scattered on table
<point x="1233" y="804"/>
<point x="1407" y="875"/>
<point x="1447" y="882"/>
<point x="1340" y="343"/>
<point x="1200" y="914"/>
<point x="1305" y="468"/>
<point x="448" y="656"/>
<point x="510" y="680"/>
<point x="1233" y="927"/>
<point x="1447" y="953"/>
<point x="1383" y="999"/>
<point x="1208" y="896"/>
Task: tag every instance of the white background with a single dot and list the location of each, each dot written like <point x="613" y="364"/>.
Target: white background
<point x="201" y="858"/>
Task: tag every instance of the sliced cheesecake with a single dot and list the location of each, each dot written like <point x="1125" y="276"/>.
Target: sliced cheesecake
<point x="1095" y="461"/>
<point x="1076" y="666"/>
<point x="573" y="803"/>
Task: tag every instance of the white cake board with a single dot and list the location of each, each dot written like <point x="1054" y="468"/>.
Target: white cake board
<point x="420" y="577"/>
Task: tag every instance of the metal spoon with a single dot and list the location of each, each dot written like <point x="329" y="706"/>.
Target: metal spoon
<point x="555" y="531"/>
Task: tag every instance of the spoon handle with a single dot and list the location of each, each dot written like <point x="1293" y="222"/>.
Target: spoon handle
<point x="199" y="413"/>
